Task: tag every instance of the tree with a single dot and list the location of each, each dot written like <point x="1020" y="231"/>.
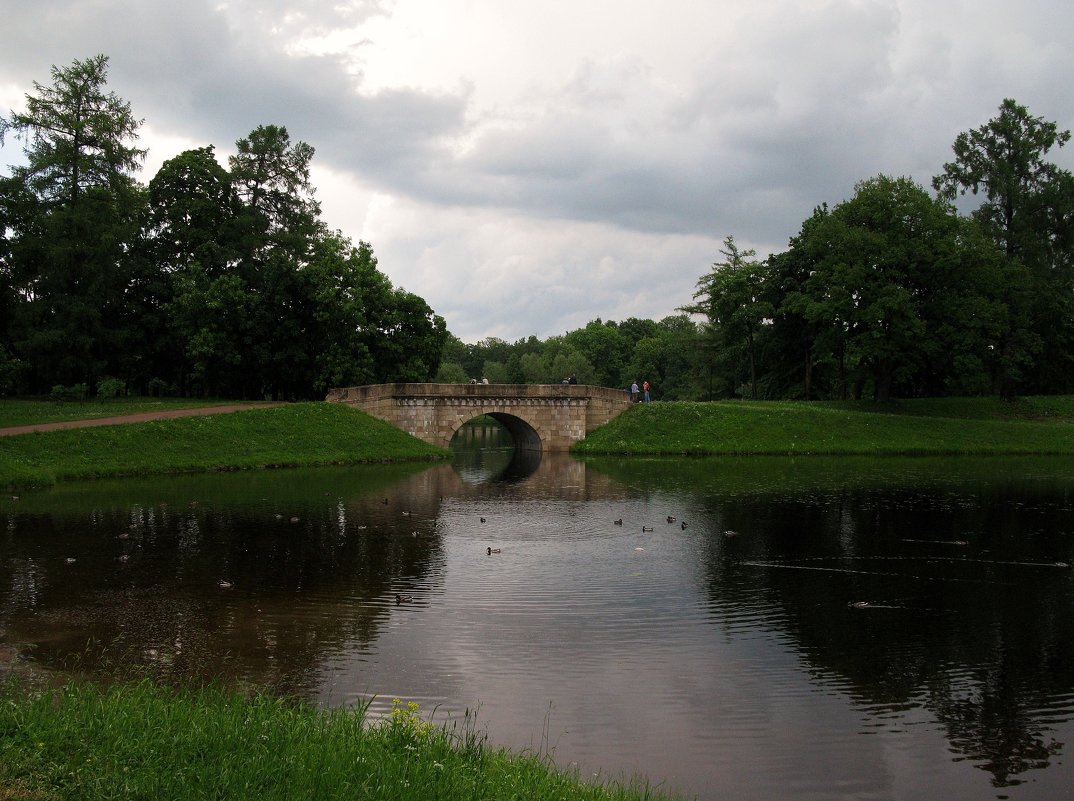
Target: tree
<point x="272" y="178"/>
<point x="193" y="210"/>
<point x="451" y="373"/>
<point x="896" y="291"/>
<point x="536" y="369"/>
<point x="605" y="350"/>
<point x="72" y="213"/>
<point x="495" y="372"/>
<point x="1005" y="159"/>
<point x="76" y="135"/>
<point x="733" y="299"/>
<point x="1029" y="213"/>
<point x="668" y="359"/>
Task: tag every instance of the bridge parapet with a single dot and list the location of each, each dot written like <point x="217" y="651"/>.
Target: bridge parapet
<point x="549" y="416"/>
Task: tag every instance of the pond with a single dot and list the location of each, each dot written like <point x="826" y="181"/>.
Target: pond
<point x="759" y="628"/>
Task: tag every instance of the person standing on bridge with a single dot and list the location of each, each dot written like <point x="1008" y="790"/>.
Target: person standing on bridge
<point x="645" y="387"/>
<point x="634" y="392"/>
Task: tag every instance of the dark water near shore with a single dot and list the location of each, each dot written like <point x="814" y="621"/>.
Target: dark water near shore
<point x="820" y="629"/>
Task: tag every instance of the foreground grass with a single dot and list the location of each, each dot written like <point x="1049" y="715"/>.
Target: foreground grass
<point x="141" y="741"/>
<point x="25" y="411"/>
<point x="943" y="426"/>
<point x="302" y="434"/>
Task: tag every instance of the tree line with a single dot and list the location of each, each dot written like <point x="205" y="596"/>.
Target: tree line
<point x="215" y="280"/>
<point x="207" y="281"/>
<point x="603" y="353"/>
<point x="895" y="293"/>
<point x="891" y="293"/>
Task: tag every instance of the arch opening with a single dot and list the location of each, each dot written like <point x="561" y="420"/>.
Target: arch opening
<point x="486" y="449"/>
<point x="524" y="435"/>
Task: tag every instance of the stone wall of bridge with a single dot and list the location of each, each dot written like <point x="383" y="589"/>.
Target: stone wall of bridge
<point x="539" y="416"/>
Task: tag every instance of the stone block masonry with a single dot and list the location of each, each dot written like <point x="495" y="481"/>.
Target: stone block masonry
<point x="539" y="416"/>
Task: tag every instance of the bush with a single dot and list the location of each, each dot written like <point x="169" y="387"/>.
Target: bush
<point x="157" y="388"/>
<point x="109" y="387"/>
<point x="75" y="392"/>
<point x="10" y="371"/>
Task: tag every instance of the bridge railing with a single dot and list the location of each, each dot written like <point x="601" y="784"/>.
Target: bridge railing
<point x="375" y="392"/>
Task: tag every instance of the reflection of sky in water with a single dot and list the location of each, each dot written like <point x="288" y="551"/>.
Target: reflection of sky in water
<point x="612" y="654"/>
<point x="624" y="648"/>
<point x="726" y="663"/>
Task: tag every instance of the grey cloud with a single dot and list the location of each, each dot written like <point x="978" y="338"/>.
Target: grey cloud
<point x="192" y="69"/>
<point x="789" y="107"/>
<point x="675" y="164"/>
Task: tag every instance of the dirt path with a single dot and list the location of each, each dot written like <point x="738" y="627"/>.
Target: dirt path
<point x="138" y="417"/>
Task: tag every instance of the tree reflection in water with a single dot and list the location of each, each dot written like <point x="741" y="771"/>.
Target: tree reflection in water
<point x="930" y="589"/>
<point x="852" y="569"/>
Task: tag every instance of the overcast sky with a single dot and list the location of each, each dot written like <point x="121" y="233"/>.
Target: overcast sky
<point x="527" y="167"/>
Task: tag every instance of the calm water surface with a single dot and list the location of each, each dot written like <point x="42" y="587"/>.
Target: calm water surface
<point x="820" y="629"/>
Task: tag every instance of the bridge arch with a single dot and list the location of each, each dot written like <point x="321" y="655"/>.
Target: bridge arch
<point x="539" y="416"/>
<point x="524" y="435"/>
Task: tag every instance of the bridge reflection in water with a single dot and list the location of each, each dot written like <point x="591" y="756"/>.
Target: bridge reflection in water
<point x="488" y="450"/>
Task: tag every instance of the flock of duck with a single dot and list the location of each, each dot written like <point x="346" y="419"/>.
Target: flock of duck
<point x="647" y="529"/>
<point x="226" y="584"/>
<point x="403" y="599"/>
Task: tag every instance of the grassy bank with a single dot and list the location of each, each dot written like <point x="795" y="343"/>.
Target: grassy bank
<point x="141" y="741"/>
<point x="294" y="435"/>
<point x="943" y="426"/>
<point x="25" y="411"/>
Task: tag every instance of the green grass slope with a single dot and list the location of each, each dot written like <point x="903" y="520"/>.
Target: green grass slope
<point x="950" y="426"/>
<point x="281" y="436"/>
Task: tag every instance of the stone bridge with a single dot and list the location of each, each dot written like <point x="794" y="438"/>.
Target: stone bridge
<point x="539" y="416"/>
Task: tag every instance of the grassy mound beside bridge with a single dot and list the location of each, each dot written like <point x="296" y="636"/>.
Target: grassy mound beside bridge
<point x="981" y="426"/>
<point x="301" y="434"/>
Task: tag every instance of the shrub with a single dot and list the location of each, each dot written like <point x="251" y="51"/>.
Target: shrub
<point x="157" y="387"/>
<point x="109" y="387"/>
<point x="75" y="392"/>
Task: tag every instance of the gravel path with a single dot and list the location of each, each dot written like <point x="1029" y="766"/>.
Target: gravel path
<point x="139" y="417"/>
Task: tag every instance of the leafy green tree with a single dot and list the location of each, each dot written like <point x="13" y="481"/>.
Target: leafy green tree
<point x="193" y="211"/>
<point x="536" y="369"/>
<point x="807" y="339"/>
<point x="409" y="339"/>
<point x="733" y="298"/>
<point x="668" y="359"/>
<point x="495" y="372"/>
<point x="77" y="136"/>
<point x="272" y="178"/>
<point x="572" y="362"/>
<point x="1028" y="211"/>
<point x="191" y="236"/>
<point x="896" y="291"/>
<point x="72" y="213"/>
<point x="458" y="352"/>
<point x="209" y="318"/>
<point x="452" y="373"/>
<point x="605" y="350"/>
<point x="1004" y="159"/>
<point x="635" y="329"/>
